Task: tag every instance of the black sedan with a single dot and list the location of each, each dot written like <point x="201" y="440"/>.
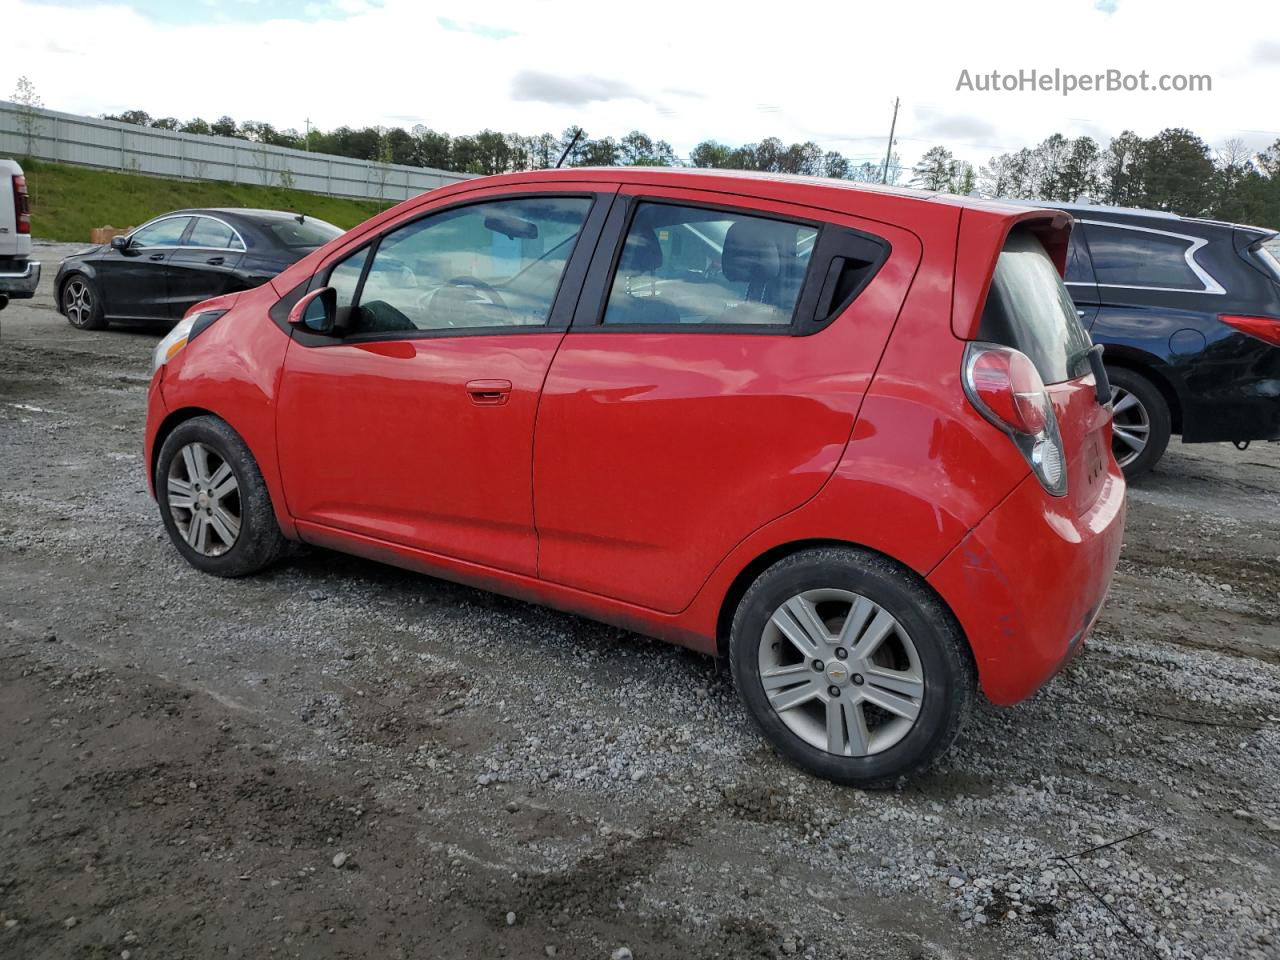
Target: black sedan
<point x="168" y="264"/>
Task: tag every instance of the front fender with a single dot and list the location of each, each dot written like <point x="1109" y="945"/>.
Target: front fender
<point x="232" y="371"/>
<point x="65" y="270"/>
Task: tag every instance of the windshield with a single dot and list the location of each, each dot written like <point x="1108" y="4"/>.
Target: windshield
<point x="307" y="233"/>
<point x="1028" y="308"/>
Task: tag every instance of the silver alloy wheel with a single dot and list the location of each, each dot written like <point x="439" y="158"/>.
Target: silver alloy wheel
<point x="77" y="300"/>
<point x="841" y="672"/>
<point x="1130" y="427"/>
<point x="204" y="500"/>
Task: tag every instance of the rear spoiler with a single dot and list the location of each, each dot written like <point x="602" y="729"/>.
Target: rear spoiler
<point x="982" y="236"/>
<point x="1246" y="238"/>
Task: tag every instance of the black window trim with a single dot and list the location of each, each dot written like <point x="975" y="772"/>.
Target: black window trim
<point x="1194" y="245"/>
<point x="831" y="242"/>
<point x="562" y="303"/>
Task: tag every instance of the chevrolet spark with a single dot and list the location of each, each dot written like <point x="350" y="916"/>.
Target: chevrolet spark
<point x="853" y="439"/>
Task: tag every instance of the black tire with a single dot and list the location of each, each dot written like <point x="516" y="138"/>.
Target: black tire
<point x="1158" y="421"/>
<point x="258" y="542"/>
<point x="945" y="663"/>
<point x="81" y="303"/>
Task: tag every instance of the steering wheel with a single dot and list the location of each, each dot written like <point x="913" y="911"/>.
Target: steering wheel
<point x="455" y="303"/>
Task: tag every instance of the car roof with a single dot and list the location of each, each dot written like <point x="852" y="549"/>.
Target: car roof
<point x="731" y="181"/>
<point x="246" y="213"/>
<point x="1085" y="211"/>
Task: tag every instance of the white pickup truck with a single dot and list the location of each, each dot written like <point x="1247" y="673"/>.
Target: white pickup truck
<point x="19" y="274"/>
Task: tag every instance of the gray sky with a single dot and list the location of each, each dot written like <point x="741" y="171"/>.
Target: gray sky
<point x="682" y="71"/>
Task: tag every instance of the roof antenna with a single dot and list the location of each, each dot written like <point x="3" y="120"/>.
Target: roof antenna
<point x="569" y="149"/>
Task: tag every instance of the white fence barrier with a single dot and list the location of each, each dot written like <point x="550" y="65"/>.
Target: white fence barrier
<point x="110" y="145"/>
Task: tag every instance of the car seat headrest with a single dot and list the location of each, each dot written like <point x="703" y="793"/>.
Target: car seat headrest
<point x="641" y="252"/>
<point x="753" y="251"/>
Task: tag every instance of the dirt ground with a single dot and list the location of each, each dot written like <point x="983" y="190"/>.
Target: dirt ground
<point x="339" y="759"/>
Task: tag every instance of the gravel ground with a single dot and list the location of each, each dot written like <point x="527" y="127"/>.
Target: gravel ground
<point x="339" y="759"/>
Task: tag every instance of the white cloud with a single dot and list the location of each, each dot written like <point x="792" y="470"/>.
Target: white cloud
<point x="678" y="70"/>
<point x="545" y="87"/>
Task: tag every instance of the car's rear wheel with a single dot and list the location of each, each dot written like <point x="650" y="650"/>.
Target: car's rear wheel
<point x="213" y="500"/>
<point x="82" y="304"/>
<point x="850" y="665"/>
<point x="1141" y="423"/>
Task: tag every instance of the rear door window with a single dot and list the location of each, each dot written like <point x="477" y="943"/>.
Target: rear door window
<point x="212" y="234"/>
<point x="1079" y="269"/>
<point x="691" y="265"/>
<point x="1028" y="308"/>
<point x="1141" y="258"/>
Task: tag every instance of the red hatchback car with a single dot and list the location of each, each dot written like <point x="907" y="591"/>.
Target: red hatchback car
<point x="852" y="438"/>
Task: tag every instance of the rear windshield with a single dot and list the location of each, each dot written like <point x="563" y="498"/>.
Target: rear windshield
<point x="1029" y="309"/>
<point x="308" y="233"/>
<point x="1266" y="257"/>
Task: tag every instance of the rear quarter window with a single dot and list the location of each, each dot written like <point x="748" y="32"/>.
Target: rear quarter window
<point x="1028" y="308"/>
<point x="1141" y="258"/>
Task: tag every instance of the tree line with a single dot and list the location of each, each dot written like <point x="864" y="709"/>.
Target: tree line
<point x="1175" y="170"/>
<point x="491" y="151"/>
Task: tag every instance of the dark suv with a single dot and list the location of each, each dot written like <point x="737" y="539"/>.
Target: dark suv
<point x="1189" y="311"/>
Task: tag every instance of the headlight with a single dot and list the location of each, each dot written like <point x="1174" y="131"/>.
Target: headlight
<point x="187" y="330"/>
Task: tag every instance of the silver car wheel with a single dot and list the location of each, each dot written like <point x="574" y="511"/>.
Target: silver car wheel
<point x="841" y="673"/>
<point x="204" y="500"/>
<point x="1130" y="426"/>
<point x="77" y="300"/>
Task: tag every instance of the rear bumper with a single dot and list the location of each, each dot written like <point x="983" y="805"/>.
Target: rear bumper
<point x="1028" y="582"/>
<point x="1244" y="417"/>
<point x="1233" y="395"/>
<point x="20" y="284"/>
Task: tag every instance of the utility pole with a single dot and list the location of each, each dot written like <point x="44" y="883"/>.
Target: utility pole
<point x="307" y="142"/>
<point x="888" y="153"/>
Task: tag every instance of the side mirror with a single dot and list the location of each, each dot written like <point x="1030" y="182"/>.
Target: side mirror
<point x="316" y="312"/>
<point x="120" y="243"/>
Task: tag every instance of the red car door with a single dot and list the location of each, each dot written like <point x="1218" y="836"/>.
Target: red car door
<point x="415" y="426"/>
<point x="708" y="385"/>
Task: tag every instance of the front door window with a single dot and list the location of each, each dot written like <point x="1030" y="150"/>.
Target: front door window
<point x="489" y="265"/>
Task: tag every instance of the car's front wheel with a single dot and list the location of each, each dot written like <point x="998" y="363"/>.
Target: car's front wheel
<point x="851" y="667"/>
<point x="81" y="303"/>
<point x="213" y="500"/>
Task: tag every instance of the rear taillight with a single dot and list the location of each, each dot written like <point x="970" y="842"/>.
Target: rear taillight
<point x="1004" y="386"/>
<point x="21" y="203"/>
<point x="1264" y="328"/>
